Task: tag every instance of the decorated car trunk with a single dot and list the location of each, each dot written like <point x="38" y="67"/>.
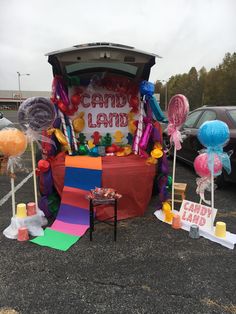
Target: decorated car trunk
<point x="106" y="111"/>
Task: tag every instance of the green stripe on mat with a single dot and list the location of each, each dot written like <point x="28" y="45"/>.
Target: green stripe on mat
<point x="56" y="240"/>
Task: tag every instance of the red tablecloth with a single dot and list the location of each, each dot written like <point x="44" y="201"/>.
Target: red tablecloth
<point x="129" y="175"/>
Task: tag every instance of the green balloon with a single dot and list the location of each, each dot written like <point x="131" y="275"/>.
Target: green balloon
<point x="169" y="181"/>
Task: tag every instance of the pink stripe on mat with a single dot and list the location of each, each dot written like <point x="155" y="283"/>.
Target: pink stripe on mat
<point x="77" y="230"/>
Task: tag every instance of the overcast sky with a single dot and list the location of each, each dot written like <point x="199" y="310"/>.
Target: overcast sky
<point x="185" y="33"/>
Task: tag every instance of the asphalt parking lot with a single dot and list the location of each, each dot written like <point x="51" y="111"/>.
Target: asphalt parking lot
<point x="152" y="268"/>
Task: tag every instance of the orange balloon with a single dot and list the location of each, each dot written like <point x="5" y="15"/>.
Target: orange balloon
<point x="13" y="142"/>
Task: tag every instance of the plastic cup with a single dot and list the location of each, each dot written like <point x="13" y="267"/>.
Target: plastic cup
<point x="220" y="230"/>
<point x="23" y="234"/>
<point x="31" y="209"/>
<point x="176" y="222"/>
<point x="21" y="210"/>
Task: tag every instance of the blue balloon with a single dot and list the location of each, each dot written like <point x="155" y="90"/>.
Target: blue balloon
<point x="213" y="133"/>
<point x="147" y="88"/>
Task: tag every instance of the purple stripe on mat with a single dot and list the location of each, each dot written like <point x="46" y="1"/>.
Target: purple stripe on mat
<point x="73" y="215"/>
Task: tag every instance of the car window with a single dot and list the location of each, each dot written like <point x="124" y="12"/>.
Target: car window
<point x="232" y="114"/>
<point x="208" y="115"/>
<point x="192" y="118"/>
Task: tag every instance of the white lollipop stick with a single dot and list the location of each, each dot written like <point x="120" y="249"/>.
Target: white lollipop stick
<point x="212" y="197"/>
<point x="13" y="191"/>
<point x="34" y="173"/>
<point x="173" y="180"/>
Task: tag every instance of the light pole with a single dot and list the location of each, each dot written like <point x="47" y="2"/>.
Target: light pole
<point x="19" y="86"/>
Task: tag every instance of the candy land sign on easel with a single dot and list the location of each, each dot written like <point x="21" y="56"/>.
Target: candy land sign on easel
<point x="197" y="214"/>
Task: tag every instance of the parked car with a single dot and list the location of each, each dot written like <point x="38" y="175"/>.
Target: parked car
<point x="191" y="145"/>
<point x="4" y="122"/>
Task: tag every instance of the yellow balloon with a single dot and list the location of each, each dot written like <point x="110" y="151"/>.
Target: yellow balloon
<point x="79" y="123"/>
<point x="13" y="142"/>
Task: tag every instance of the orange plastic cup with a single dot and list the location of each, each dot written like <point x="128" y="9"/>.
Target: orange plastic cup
<point x="23" y="234"/>
<point x="176" y="222"/>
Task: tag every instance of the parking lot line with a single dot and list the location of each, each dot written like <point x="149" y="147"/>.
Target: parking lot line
<point x="8" y="195"/>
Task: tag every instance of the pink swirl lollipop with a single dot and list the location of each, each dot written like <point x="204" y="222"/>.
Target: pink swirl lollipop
<point x="178" y="109"/>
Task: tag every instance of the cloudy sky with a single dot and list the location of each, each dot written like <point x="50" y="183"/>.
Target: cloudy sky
<point x="185" y="33"/>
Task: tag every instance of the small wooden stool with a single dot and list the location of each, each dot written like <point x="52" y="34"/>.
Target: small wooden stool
<point x="93" y="202"/>
<point x="179" y="192"/>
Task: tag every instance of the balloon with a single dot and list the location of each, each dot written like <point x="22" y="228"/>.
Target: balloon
<point x="213" y="133"/>
<point x="43" y="165"/>
<point x="75" y="99"/>
<point x="146" y="136"/>
<point x="178" y="109"/>
<point x="147" y="88"/>
<point x="13" y="142"/>
<point x="36" y="114"/>
<point x="201" y="165"/>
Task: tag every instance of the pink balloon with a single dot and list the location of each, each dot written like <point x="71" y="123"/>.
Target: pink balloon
<point x="178" y="109"/>
<point x="201" y="165"/>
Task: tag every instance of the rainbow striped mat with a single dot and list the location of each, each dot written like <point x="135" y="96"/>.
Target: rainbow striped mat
<point x="82" y="173"/>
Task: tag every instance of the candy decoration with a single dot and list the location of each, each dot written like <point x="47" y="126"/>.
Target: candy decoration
<point x="13" y="142"/>
<point x="214" y="135"/>
<point x="178" y="109"/>
<point x="78" y="122"/>
<point x="146" y="136"/>
<point x="139" y="130"/>
<point x="201" y="165"/>
<point x="73" y="135"/>
<point x="36" y="114"/>
<point x="96" y="138"/>
<point x="65" y="132"/>
<point x="118" y="136"/>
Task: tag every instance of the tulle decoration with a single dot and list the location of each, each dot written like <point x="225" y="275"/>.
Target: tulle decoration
<point x="213" y="133"/>
<point x="203" y="184"/>
<point x="178" y="109"/>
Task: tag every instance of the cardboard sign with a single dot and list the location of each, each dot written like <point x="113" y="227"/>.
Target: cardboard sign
<point x="198" y="214"/>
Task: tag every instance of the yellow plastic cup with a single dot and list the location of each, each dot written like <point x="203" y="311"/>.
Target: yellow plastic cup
<point x="220" y="230"/>
<point x="21" y="211"/>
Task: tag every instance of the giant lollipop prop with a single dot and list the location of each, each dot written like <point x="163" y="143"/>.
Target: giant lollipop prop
<point x="178" y="109"/>
<point x="13" y="143"/>
<point x="35" y="115"/>
<point x="214" y="135"/>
